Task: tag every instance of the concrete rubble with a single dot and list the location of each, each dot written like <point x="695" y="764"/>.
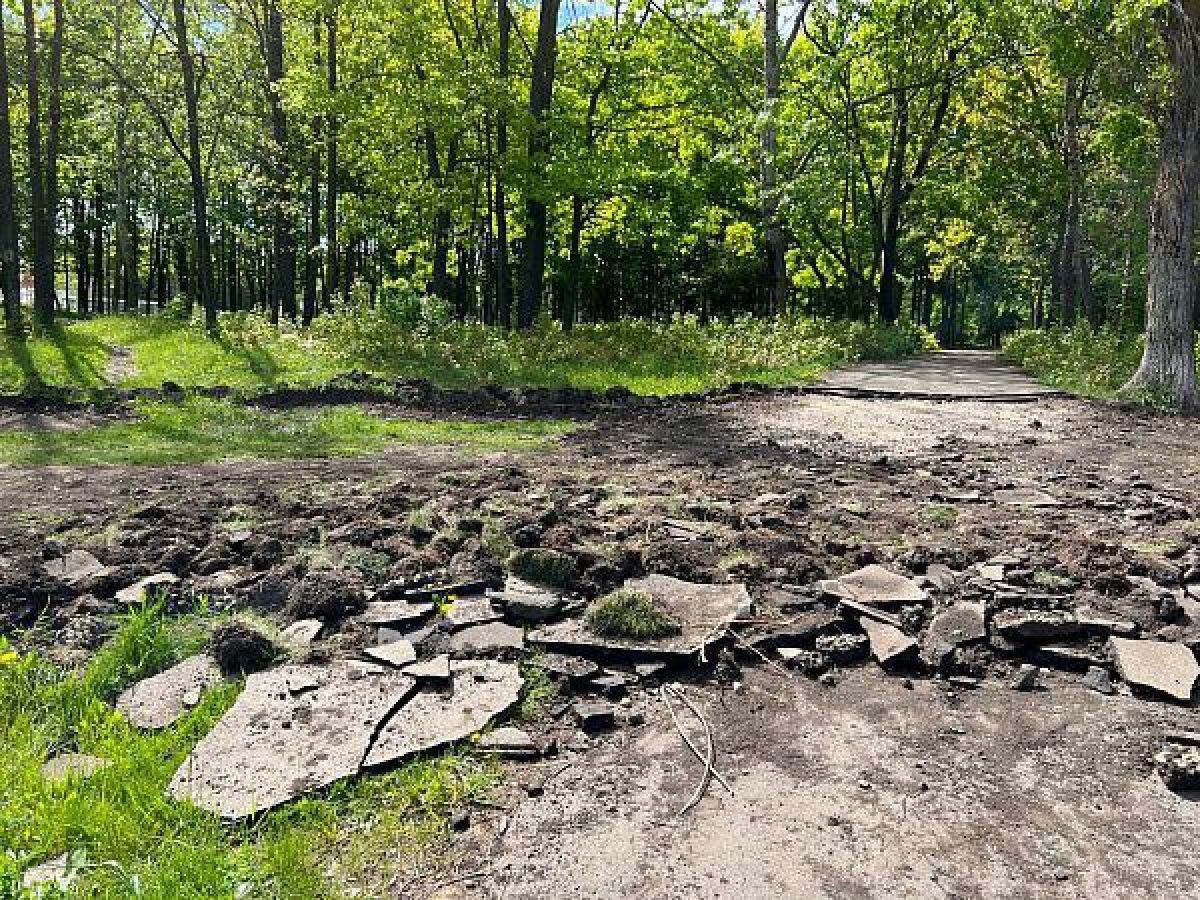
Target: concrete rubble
<point x="161" y="700"/>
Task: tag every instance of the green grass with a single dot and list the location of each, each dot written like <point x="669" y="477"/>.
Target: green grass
<point x="201" y="430"/>
<point x="132" y="840"/>
<point x="645" y="357"/>
<point x="552" y="568"/>
<point x="627" y="613"/>
<point x="1090" y="363"/>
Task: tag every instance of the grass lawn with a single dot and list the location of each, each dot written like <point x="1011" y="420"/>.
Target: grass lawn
<point x="125" y="837"/>
<point x="201" y="430"/>
<point x="646" y="357"/>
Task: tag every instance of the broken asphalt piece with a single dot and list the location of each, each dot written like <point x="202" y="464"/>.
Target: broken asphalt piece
<point x="527" y="602"/>
<point x="73" y="765"/>
<point x="509" y="743"/>
<point x="1158" y="666"/>
<point x="1071" y="659"/>
<point x="140" y="590"/>
<point x="593" y="716"/>
<point x="875" y="586"/>
<point x="573" y="668"/>
<point x="890" y="646"/>
<point x="483" y="691"/>
<point x="799" y="631"/>
<point x="955" y="626"/>
<point x="804" y="660"/>
<point x="75" y="566"/>
<point x="940" y="577"/>
<point x="1179" y="767"/>
<point x="841" y="649"/>
<point x="1098" y="624"/>
<point x="395" y="613"/>
<point x="1035" y="625"/>
<point x="1099" y="680"/>
<point x="436" y="670"/>
<point x="274" y="745"/>
<point x="467" y="611"/>
<point x="1027" y="497"/>
<point x="703" y="611"/>
<point x="397" y="654"/>
<point x="161" y="700"/>
<point x="494" y="640"/>
<point x="1026" y="678"/>
<point x="302" y="633"/>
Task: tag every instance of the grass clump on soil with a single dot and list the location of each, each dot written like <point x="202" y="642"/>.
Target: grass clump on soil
<point x="201" y="430"/>
<point x="551" y="568"/>
<point x="1089" y="363"/>
<point x="645" y="357"/>
<point x="126" y="837"/>
<point x="628" y="613"/>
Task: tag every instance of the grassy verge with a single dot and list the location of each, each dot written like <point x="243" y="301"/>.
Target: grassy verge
<point x="645" y="357"/>
<point x="126" y="838"/>
<point x="1085" y="362"/>
<point x="201" y="430"/>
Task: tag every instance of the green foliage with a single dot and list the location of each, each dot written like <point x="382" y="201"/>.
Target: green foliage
<point x="538" y="689"/>
<point x="129" y="839"/>
<point x="628" y="613"/>
<point x="541" y="566"/>
<point x="202" y="430"/>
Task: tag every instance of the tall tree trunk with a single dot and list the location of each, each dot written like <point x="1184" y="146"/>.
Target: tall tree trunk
<point x="1168" y="363"/>
<point x="312" y="254"/>
<point x="10" y="264"/>
<point x="283" y="286"/>
<point x="329" y="284"/>
<point x="82" y="273"/>
<point x="1073" y="267"/>
<point x="541" y="90"/>
<point x="44" y="301"/>
<point x="774" y="238"/>
<point x="53" y="140"/>
<point x="442" y="286"/>
<point x="574" y="265"/>
<point x="503" y="269"/>
<point x="204" y="263"/>
<point x="126" y="275"/>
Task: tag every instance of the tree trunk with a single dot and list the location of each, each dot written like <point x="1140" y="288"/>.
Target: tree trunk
<point x="1073" y="267"/>
<point x="204" y="264"/>
<point x="44" y="301"/>
<point x="1168" y="367"/>
<point x="283" y="285"/>
<point x="503" y="269"/>
<point x="442" y="287"/>
<point x="312" y="250"/>
<point x="541" y="90"/>
<point x="10" y="264"/>
<point x="127" y="269"/>
<point x="82" y="274"/>
<point x="774" y="238"/>
<point x="329" y="284"/>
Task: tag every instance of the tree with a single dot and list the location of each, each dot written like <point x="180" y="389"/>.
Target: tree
<point x="1168" y="364"/>
<point x="283" y="245"/>
<point x="41" y="227"/>
<point x="10" y="267"/>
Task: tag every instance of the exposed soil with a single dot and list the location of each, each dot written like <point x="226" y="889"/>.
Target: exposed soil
<point x="861" y="787"/>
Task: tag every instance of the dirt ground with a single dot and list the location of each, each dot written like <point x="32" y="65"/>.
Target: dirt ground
<point x="871" y="785"/>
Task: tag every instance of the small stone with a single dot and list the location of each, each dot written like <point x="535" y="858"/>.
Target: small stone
<point x="992" y="573"/>
<point x="828" y="679"/>
<point x="56" y="872"/>
<point x="1099" y="680"/>
<point x="1025" y="678"/>
<point x="594" y="716"/>
<point x="75" y="566"/>
<point x="460" y="820"/>
<point x="940" y="577"/>
<point x="140" y="590"/>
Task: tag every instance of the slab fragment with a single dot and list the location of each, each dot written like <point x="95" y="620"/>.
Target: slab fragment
<point x="161" y="700"/>
<point x="394" y="613"/>
<point x="890" y="646"/>
<point x="1157" y="665"/>
<point x="397" y="654"/>
<point x="75" y="566"/>
<point x="876" y="586"/>
<point x="302" y="633"/>
<point x="467" y="611"/>
<point x="482" y="690"/>
<point x="496" y="639"/>
<point x="1035" y="625"/>
<point x="274" y="745"/>
<point x="509" y="743"/>
<point x="529" y="603"/>
<point x="703" y="611"/>
<point x="138" y="591"/>
<point x="1032" y="498"/>
<point x="73" y="765"/>
<point x="432" y="670"/>
<point x="962" y="623"/>
<point x="573" y="668"/>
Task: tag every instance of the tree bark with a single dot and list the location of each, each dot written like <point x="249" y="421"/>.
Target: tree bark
<point x="1168" y="367"/>
<point x="312" y="254"/>
<point x="774" y="237"/>
<point x="126" y="269"/>
<point x="203" y="252"/>
<point x="283" y="238"/>
<point x="329" y="284"/>
<point x="541" y="90"/>
<point x="44" y="301"/>
<point x="1074" y="270"/>
<point x="10" y="264"/>
<point x="503" y="268"/>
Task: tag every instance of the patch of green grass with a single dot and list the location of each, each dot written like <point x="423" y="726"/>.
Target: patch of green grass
<point x="57" y="356"/>
<point x="495" y="540"/>
<point x="552" y="568"/>
<point x="201" y="430"/>
<point x="538" y="690"/>
<point x="133" y="840"/>
<point x="373" y="565"/>
<point x="627" y="613"/>
<point x="940" y="514"/>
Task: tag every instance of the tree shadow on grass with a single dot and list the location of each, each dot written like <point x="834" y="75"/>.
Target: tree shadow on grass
<point x="259" y="360"/>
<point x="80" y="369"/>
<point x="16" y="346"/>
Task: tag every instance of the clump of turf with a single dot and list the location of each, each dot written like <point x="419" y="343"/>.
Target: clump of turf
<point x="628" y="613"/>
<point x="552" y="568"/>
<point x="240" y="648"/>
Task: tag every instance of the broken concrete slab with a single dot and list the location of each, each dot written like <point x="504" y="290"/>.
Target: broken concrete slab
<point x="140" y="590"/>
<point x="274" y="745"/>
<point x="1099" y="624"/>
<point x="1158" y="666"/>
<point x="1035" y="625"/>
<point x="494" y="640"/>
<point x="890" y="646"/>
<point x="483" y="691"/>
<point x="593" y="716"/>
<point x="1032" y="498"/>
<point x="161" y="700"/>
<point x="393" y="613"/>
<point x="75" y="566"/>
<point x="509" y="743"/>
<point x="958" y="625"/>
<point x="396" y="654"/>
<point x="302" y="633"/>
<point x="704" y="613"/>
<point x="572" y="668"/>
<point x="435" y="670"/>
<point x="1098" y="680"/>
<point x="467" y="611"/>
<point x="57" y="873"/>
<point x="940" y="577"/>
<point x="876" y="586"/>
<point x="529" y="603"/>
<point x="1025" y="678"/>
<point x="73" y="765"/>
<point x="1065" y="657"/>
<point x="799" y="631"/>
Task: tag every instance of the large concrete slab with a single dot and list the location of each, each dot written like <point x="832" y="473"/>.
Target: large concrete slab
<point x="947" y="375"/>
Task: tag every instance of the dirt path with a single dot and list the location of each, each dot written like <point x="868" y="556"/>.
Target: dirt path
<point x="860" y="788"/>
